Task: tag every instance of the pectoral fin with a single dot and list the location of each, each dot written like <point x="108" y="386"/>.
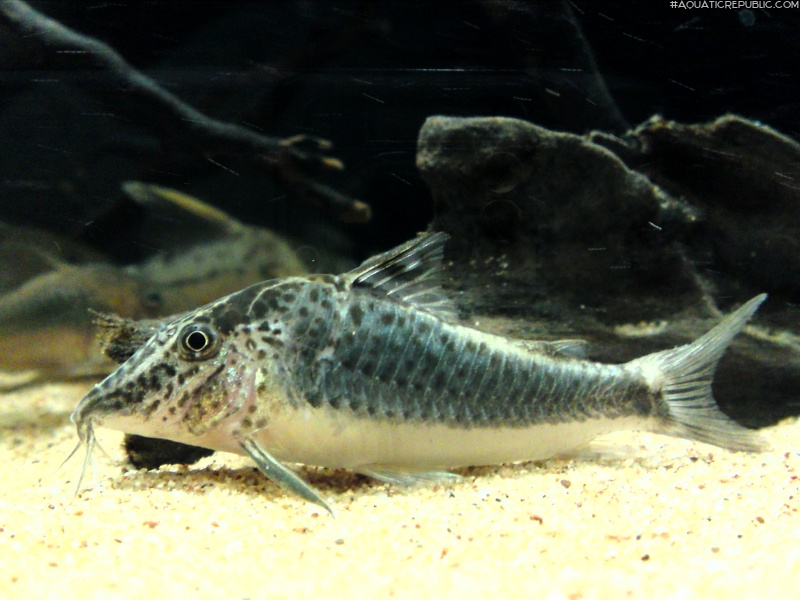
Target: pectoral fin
<point x="280" y="474"/>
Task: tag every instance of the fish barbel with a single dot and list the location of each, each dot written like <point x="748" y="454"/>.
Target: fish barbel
<point x="370" y="371"/>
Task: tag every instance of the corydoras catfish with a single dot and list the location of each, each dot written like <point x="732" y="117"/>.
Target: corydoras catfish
<point x="47" y="326"/>
<point x="370" y="371"/>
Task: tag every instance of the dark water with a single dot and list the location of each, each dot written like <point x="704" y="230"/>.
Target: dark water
<point x="365" y="75"/>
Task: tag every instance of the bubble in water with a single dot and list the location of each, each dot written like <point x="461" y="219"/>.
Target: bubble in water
<point x="747" y="17"/>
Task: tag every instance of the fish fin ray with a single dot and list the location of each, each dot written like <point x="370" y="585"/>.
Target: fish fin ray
<point x="280" y="474"/>
<point x="119" y="337"/>
<point x="600" y="450"/>
<point x="686" y="374"/>
<point x="182" y="208"/>
<point x="404" y="477"/>
<point x="411" y="273"/>
<point x="573" y="348"/>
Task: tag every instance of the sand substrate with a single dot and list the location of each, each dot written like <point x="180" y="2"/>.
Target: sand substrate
<point x="657" y="518"/>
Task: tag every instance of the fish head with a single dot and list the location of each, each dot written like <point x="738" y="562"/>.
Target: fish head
<point x="186" y="381"/>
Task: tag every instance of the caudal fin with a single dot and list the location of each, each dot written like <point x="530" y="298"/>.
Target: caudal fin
<point x="685" y="374"/>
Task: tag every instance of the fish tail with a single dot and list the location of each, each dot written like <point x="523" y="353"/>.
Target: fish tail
<point x="684" y="376"/>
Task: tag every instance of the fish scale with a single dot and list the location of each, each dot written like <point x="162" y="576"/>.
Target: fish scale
<point x="372" y="371"/>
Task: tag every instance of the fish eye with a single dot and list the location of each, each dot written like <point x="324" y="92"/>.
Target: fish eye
<point x="198" y="342"/>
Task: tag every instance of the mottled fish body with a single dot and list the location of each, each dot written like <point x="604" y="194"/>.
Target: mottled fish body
<point x="370" y="371"/>
<point x="47" y="328"/>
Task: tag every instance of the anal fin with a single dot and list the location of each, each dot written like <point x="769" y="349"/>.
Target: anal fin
<point x="407" y="478"/>
<point x="558" y="348"/>
<point x="281" y="474"/>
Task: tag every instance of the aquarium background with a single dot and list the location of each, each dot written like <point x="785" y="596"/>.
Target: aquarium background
<point x="366" y="76"/>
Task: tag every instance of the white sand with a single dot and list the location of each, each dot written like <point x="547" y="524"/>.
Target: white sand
<point x="672" y="520"/>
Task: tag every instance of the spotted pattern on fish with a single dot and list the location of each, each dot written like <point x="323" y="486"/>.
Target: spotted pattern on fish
<point x="381" y="360"/>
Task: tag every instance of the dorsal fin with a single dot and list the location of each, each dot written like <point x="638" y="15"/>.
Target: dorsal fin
<point x="120" y="338"/>
<point x="182" y="208"/>
<point x="412" y="273"/>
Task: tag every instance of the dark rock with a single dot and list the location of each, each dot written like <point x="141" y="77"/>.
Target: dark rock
<point x="745" y="178"/>
<point x="566" y="213"/>
<point x="151" y="453"/>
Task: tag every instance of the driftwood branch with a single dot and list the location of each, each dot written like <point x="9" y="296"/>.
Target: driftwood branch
<point x="177" y="124"/>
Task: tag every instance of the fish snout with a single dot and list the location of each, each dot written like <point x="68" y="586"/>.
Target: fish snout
<point x="85" y="410"/>
<point x="100" y="402"/>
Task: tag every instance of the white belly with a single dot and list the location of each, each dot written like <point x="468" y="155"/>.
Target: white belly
<point x="329" y="437"/>
<point x="335" y="438"/>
